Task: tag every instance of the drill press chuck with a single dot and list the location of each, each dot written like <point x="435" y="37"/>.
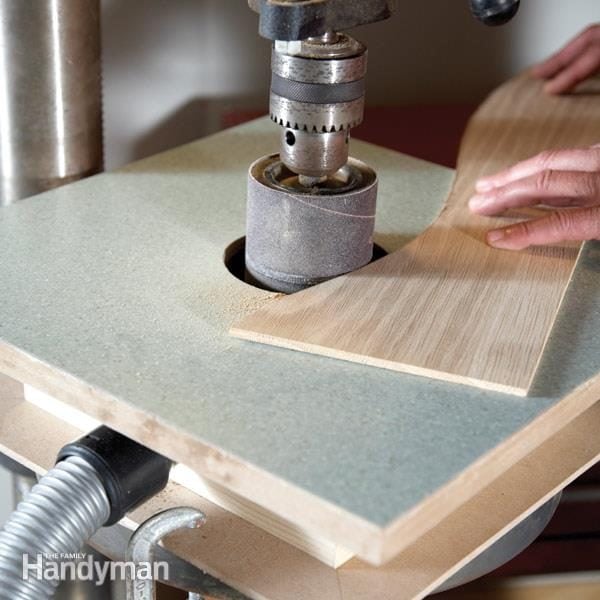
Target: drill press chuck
<point x="317" y="96"/>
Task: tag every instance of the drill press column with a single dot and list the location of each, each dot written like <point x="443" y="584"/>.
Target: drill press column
<point x="311" y="209"/>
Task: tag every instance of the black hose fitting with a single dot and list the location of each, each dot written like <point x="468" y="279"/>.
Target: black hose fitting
<point x="130" y="472"/>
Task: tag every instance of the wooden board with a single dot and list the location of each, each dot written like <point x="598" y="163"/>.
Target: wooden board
<point x="322" y="549"/>
<point x="265" y="568"/>
<point x="447" y="305"/>
<point x="114" y="299"/>
<point x="582" y="586"/>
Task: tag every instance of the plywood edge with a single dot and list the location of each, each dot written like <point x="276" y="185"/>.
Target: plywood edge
<point x="214" y="548"/>
<point x="476" y="525"/>
<point x="295" y="345"/>
<point x="314" y="515"/>
<point x="324" y="550"/>
<point x="557" y="463"/>
<point x="561" y="303"/>
<point x="432" y="510"/>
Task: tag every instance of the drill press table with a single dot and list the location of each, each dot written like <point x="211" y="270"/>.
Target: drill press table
<point x="115" y="299"/>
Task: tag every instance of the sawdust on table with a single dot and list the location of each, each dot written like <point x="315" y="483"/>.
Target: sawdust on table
<point x="230" y="303"/>
<point x="242" y="306"/>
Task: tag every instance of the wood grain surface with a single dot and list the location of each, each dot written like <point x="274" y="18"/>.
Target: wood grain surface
<point x="447" y="305"/>
<point x="266" y="568"/>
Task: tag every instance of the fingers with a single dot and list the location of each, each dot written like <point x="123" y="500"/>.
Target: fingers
<point x="568" y="67"/>
<point x="579" y="70"/>
<point x="561" y="226"/>
<point x="584" y="159"/>
<point x="564" y="57"/>
<point x="552" y="188"/>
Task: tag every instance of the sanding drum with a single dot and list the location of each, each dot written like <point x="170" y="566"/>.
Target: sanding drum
<point x="299" y="236"/>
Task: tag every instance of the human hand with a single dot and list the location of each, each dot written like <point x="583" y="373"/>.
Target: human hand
<point x="576" y="62"/>
<point x="564" y="178"/>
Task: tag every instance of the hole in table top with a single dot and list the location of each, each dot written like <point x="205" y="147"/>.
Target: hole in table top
<point x="235" y="261"/>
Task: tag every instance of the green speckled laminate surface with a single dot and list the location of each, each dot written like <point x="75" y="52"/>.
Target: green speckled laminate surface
<point x="118" y="283"/>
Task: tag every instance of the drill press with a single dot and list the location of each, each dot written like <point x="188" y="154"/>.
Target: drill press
<point x="311" y="208"/>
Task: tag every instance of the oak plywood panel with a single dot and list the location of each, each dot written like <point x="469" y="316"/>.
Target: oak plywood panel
<point x="447" y="305"/>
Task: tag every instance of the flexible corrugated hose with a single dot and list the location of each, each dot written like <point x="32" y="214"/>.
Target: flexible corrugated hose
<point x="66" y="507"/>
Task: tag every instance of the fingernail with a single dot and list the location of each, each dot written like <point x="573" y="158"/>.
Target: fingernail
<point x="499" y="238"/>
<point x="496" y="235"/>
<point x="478" y="201"/>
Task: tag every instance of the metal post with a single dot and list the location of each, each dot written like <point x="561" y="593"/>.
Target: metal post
<point x="50" y="94"/>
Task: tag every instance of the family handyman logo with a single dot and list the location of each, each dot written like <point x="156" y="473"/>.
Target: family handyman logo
<point x="83" y="567"/>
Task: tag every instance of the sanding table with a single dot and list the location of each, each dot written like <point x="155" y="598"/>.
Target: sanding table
<point x="115" y="299"/>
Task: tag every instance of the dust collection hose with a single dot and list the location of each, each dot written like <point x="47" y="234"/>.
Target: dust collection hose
<point x="96" y="481"/>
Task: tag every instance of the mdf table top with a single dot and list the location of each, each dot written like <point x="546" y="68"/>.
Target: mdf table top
<point x="114" y="297"/>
